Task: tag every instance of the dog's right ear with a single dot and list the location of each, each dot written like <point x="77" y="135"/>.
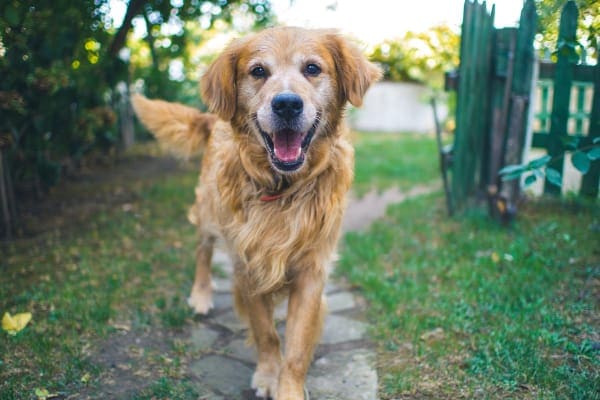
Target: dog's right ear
<point x="218" y="85"/>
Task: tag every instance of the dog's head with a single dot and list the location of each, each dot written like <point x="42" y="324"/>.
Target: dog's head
<point x="287" y="86"/>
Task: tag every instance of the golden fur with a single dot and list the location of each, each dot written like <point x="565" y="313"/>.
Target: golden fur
<point x="279" y="226"/>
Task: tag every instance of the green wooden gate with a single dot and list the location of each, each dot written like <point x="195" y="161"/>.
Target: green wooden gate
<point x="495" y="81"/>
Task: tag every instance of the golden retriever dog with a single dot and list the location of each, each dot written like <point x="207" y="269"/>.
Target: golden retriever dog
<point x="276" y="167"/>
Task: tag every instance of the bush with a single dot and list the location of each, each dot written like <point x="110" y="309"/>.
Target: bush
<point x="419" y="57"/>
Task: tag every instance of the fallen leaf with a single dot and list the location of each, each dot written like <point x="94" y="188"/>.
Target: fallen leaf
<point x="14" y="324"/>
<point x="43" y="394"/>
<point x="436" y="334"/>
<point x="85" y="378"/>
<point x="495" y="257"/>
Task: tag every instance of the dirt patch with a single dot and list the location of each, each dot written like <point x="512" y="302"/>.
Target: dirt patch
<point x="363" y="211"/>
<point x="129" y="361"/>
<point x="94" y="190"/>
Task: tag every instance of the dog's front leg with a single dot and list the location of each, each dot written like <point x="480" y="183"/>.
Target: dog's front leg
<point x="259" y="309"/>
<point x="306" y="310"/>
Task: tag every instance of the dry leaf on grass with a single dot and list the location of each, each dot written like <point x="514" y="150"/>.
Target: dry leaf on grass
<point x="14" y="324"/>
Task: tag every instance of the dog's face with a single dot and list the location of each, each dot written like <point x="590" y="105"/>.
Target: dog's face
<point x="287" y="87"/>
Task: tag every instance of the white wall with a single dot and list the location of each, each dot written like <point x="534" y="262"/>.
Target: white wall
<point x="396" y="107"/>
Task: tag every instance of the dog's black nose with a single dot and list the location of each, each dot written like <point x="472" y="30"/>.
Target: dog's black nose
<point x="287" y="105"/>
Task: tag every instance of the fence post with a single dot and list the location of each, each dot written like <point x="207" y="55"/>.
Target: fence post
<point x="501" y="86"/>
<point x="519" y="102"/>
<point x="589" y="183"/>
<point x="562" y="91"/>
<point x="472" y="115"/>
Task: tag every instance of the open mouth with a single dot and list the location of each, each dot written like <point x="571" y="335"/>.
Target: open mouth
<point x="287" y="147"/>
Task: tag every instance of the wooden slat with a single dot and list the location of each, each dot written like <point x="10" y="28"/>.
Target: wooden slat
<point x="472" y="116"/>
<point x="505" y="43"/>
<point x="521" y="86"/>
<point x="581" y="73"/>
<point x="464" y="85"/>
<point x="540" y="139"/>
<point x="563" y="78"/>
<point x="589" y="183"/>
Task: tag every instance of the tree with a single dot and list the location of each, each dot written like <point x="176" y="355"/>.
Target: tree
<point x="60" y="65"/>
<point x="168" y="44"/>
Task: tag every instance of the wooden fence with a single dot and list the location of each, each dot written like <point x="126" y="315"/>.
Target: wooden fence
<point x="574" y="118"/>
<point x="495" y="83"/>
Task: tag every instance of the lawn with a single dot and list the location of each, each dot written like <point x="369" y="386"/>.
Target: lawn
<point x="384" y="160"/>
<point x="464" y="308"/>
<point x="113" y="253"/>
<point x="127" y="268"/>
<point x="460" y="307"/>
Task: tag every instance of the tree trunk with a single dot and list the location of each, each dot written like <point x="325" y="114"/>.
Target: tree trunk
<point x="150" y="40"/>
<point x="133" y="9"/>
<point x="4" y="201"/>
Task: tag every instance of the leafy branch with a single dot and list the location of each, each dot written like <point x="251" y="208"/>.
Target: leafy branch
<point x="581" y="158"/>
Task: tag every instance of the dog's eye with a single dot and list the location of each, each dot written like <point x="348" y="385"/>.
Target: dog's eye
<point x="312" y="70"/>
<point x="258" y="72"/>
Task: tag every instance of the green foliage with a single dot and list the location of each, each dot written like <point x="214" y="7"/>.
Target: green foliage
<point x="53" y="88"/>
<point x="419" y="57"/>
<point x="581" y="159"/>
<point x="189" y="22"/>
<point x="165" y="388"/>
<point x="588" y="31"/>
<point x="60" y="66"/>
<point x="467" y="309"/>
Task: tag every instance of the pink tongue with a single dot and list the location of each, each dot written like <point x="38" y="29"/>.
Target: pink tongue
<point x="287" y="145"/>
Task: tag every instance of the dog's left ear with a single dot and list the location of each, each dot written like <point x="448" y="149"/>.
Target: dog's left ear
<point x="355" y="72"/>
<point x="218" y="85"/>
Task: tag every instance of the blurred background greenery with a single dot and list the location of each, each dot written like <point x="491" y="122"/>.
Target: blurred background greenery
<point x="67" y="68"/>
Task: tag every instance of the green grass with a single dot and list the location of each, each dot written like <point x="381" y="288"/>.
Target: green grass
<point x="165" y="388"/>
<point x="82" y="284"/>
<point x="464" y="308"/>
<point x="384" y="160"/>
<point x="129" y="265"/>
<point x="461" y="308"/>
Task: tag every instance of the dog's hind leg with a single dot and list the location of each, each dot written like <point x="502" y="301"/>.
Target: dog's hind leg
<point x="201" y="297"/>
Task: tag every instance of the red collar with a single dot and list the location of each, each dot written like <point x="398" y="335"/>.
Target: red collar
<point x="271" y="197"/>
<point x="281" y="185"/>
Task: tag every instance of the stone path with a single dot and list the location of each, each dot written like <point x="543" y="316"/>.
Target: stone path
<point x="343" y="367"/>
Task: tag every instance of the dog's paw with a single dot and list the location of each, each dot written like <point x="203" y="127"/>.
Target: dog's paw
<point x="200" y="301"/>
<point x="265" y="384"/>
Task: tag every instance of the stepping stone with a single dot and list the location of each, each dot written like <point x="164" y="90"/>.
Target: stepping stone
<point x="224" y="375"/>
<point x="348" y="375"/>
<point x="204" y="393"/>
<point x="221" y="259"/>
<point x="335" y="302"/>
<point x="281" y="311"/>
<point x="340" y="329"/>
<point x="238" y="349"/>
<point x="203" y="337"/>
<point x="331" y="286"/>
<point x="340" y="301"/>
<point x="222" y="284"/>
<point x="230" y="320"/>
<point x="222" y="300"/>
